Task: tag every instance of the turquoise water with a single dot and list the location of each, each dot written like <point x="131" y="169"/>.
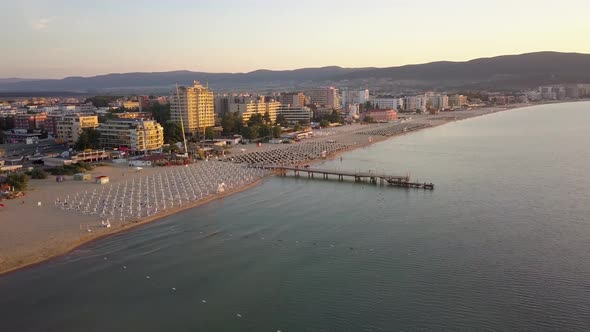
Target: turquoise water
<point x="502" y="243"/>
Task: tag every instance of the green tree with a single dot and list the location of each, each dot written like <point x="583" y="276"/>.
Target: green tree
<point x="160" y="113"/>
<point x="267" y="119"/>
<point x="369" y="119"/>
<point x="210" y="133"/>
<point x="324" y="123"/>
<point x="277" y="131"/>
<point x="334" y="117"/>
<point x="256" y="120"/>
<point x="231" y="123"/>
<point x="102" y="101"/>
<point x="17" y="180"/>
<point x="281" y="120"/>
<point x="172" y="133"/>
<point x="265" y="130"/>
<point x="297" y="127"/>
<point x="251" y="132"/>
<point x="38" y="173"/>
<point x="88" y="139"/>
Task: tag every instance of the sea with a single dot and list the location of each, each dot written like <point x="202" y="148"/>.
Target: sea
<point x="502" y="243"/>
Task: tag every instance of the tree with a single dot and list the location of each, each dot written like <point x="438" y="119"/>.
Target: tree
<point x="88" y="139"/>
<point x="102" y="101"/>
<point x="281" y="120"/>
<point x="256" y="120"/>
<point x="251" y="132"/>
<point x="18" y="181"/>
<point x="277" y="131"/>
<point x="267" y="119"/>
<point x="172" y="133"/>
<point x="334" y="117"/>
<point x="231" y="123"/>
<point x="38" y="173"/>
<point x="160" y="113"/>
<point x="210" y="133"/>
<point x="369" y="119"/>
<point x="297" y="127"/>
<point x="265" y="130"/>
<point x="324" y="123"/>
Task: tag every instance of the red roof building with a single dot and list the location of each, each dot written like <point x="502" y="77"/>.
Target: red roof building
<point x="380" y="115"/>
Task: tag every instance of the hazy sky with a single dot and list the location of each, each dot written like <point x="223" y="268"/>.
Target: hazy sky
<point x="58" y="38"/>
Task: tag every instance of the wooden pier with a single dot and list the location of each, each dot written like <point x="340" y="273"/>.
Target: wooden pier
<point x="359" y="177"/>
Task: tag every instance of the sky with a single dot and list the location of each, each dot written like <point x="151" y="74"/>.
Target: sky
<point x="60" y="38"/>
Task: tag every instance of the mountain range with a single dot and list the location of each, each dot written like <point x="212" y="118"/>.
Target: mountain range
<point x="508" y="72"/>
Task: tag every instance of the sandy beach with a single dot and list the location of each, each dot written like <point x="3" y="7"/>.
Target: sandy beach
<point x="31" y="233"/>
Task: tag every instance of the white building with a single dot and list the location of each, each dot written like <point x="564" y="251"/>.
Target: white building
<point x="534" y="95"/>
<point x="388" y="102"/>
<point x="353" y="112"/>
<point x="438" y="101"/>
<point x="363" y="96"/>
<point x="553" y="92"/>
<point x="415" y="103"/>
<point x="295" y="114"/>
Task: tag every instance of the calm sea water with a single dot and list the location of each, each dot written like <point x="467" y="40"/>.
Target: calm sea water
<point x="502" y="243"/>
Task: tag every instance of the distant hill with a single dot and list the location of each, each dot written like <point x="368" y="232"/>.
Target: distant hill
<point x="507" y="71"/>
<point x="501" y="72"/>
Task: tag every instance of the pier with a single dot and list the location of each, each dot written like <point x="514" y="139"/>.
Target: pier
<point x="358" y="177"/>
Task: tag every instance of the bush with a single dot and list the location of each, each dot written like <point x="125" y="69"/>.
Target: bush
<point x="86" y="166"/>
<point x="18" y="181"/>
<point x="38" y="173"/>
<point x="71" y="169"/>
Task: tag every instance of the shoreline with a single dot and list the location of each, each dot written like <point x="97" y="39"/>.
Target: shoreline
<point x="88" y="239"/>
<point x="58" y="252"/>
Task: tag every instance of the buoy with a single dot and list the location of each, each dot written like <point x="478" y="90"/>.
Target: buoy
<point x="239" y="316"/>
<point x="204" y="301"/>
<point x="147" y="277"/>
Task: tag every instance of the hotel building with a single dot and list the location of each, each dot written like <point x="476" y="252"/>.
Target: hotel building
<point x="247" y="108"/>
<point x="70" y="127"/>
<point x="195" y="106"/>
<point x="295" y="114"/>
<point x="135" y="135"/>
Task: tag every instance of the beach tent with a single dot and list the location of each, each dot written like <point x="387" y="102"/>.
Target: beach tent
<point x="102" y="179"/>
<point x="82" y="177"/>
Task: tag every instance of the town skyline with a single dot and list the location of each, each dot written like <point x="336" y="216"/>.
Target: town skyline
<point x="52" y="39"/>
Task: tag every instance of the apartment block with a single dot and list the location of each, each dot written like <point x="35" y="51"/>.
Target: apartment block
<point x="70" y="127"/>
<point x="131" y="134"/>
<point x="292" y="99"/>
<point x="324" y="97"/>
<point x="248" y="108"/>
<point x="30" y="121"/>
<point x="457" y="100"/>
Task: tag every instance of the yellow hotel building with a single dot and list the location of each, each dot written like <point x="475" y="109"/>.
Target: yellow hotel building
<point x="247" y="109"/>
<point x="195" y="106"/>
